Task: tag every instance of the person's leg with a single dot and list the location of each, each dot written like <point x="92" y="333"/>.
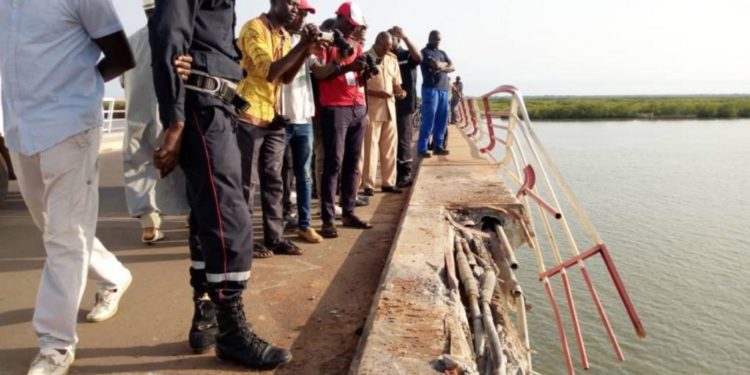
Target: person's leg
<point x="212" y="162"/>
<point x="429" y="106"/>
<point x="302" y="144"/>
<point x="140" y="177"/>
<point x="334" y="124"/>
<point x="388" y="145"/>
<point x="355" y="133"/>
<point x="441" y="118"/>
<point x="371" y="151"/>
<point x="60" y="186"/>
<point x="404" y="125"/>
<point x="318" y="154"/>
<point x="249" y="142"/>
<point x="454" y="105"/>
<point x="287" y="174"/>
<point x="270" y="161"/>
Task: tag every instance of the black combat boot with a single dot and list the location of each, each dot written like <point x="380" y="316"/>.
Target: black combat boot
<point x="204" y="329"/>
<point x="236" y="342"/>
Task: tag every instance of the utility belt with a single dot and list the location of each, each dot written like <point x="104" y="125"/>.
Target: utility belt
<point x="220" y="88"/>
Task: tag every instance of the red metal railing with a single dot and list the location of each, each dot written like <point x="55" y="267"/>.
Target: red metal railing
<point x="527" y="162"/>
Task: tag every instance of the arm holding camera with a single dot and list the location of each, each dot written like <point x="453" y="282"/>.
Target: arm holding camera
<point x="335" y="68"/>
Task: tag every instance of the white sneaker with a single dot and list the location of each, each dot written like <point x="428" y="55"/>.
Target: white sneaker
<point x="107" y="302"/>
<point x="51" y="362"/>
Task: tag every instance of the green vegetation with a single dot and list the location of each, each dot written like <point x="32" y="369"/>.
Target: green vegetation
<point x="659" y="107"/>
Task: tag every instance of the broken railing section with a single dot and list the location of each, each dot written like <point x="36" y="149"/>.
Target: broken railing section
<point x="481" y="265"/>
<point x="526" y="162"/>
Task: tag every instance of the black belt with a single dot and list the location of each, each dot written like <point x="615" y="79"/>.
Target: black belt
<point x="220" y="88"/>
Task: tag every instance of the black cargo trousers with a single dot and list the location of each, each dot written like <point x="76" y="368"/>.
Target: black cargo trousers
<point x="221" y="242"/>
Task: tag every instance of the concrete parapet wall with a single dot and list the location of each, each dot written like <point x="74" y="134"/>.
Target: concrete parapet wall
<point x="415" y="318"/>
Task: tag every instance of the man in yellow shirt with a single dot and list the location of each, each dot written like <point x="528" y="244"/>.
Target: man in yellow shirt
<point x="269" y="60"/>
<point x="381" y="135"/>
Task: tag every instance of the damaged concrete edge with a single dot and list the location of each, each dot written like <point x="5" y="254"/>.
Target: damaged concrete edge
<point x="367" y="329"/>
<point x="413" y="319"/>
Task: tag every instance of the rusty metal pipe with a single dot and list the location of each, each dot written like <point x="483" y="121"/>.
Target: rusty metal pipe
<point x="488" y="287"/>
<point x="471" y="288"/>
<point x="506" y="248"/>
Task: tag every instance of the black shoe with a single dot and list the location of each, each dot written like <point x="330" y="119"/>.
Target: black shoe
<point x="202" y="336"/>
<point x="361" y="202"/>
<point x="391" y="189"/>
<point x="441" y="151"/>
<point x="354" y="222"/>
<point x="237" y="343"/>
<point x="425" y="155"/>
<point x="405" y="182"/>
<point x="328" y="230"/>
<point x="368" y="192"/>
<point x="286" y="247"/>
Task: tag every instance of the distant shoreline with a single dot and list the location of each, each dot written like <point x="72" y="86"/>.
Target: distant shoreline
<point x="633" y="107"/>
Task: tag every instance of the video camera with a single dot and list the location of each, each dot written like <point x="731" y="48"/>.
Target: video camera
<point x="372" y="64"/>
<point x="336" y="37"/>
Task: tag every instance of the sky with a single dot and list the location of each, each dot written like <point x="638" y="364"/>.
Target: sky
<point x="559" y="47"/>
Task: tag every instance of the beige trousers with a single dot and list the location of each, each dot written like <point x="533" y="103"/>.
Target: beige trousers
<point x="61" y="189"/>
<point x="381" y="140"/>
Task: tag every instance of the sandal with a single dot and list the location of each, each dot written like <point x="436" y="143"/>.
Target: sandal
<point x="354" y="222"/>
<point x="329" y="231"/>
<point x="285" y="247"/>
<point x="158" y="236"/>
<point x="261" y="252"/>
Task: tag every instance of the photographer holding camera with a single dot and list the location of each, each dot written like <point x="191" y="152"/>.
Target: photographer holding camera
<point x="341" y="74"/>
<point x="381" y="135"/>
<point x="269" y="60"/>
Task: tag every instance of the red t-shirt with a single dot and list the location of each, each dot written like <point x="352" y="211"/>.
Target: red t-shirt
<point x="345" y="89"/>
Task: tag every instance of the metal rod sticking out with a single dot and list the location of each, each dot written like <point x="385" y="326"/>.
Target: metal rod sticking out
<point x="506" y="248"/>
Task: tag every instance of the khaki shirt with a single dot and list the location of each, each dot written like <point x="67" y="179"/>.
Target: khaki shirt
<point x="389" y="77"/>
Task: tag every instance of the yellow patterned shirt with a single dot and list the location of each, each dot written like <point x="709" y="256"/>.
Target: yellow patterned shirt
<point x="261" y="46"/>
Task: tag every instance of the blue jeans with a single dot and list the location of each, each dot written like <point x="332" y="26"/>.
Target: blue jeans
<point x="434" y="118"/>
<point x="300" y="138"/>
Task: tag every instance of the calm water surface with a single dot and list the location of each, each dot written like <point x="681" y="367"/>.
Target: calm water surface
<point x="672" y="201"/>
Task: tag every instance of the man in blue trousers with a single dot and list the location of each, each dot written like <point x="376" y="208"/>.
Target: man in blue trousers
<point x="435" y="97"/>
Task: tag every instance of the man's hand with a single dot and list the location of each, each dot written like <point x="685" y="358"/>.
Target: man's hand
<point x="399" y="92"/>
<point x="183" y="65"/>
<point x="167" y="156"/>
<point x="379" y="94"/>
<point x="310" y="34"/>
<point x="358" y="65"/>
<point x="398" y="32"/>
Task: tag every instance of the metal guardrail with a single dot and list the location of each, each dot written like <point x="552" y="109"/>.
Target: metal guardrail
<point x="524" y="157"/>
<point x="109" y="111"/>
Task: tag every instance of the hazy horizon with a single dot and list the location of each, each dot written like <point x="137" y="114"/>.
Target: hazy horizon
<point x="552" y="48"/>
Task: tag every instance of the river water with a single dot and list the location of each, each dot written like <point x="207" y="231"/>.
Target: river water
<point x="672" y="201"/>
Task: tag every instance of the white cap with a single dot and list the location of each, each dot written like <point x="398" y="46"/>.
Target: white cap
<point x="149" y="4"/>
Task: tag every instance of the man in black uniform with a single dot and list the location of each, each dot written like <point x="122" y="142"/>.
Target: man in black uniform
<point x="200" y="116"/>
<point x="408" y="61"/>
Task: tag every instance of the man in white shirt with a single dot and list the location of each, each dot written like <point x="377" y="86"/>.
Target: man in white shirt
<point x="148" y="196"/>
<point x="298" y="107"/>
<point x="53" y="86"/>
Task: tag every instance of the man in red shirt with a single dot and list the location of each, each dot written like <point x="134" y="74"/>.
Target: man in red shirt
<point x="341" y="76"/>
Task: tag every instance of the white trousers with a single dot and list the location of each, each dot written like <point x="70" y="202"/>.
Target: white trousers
<point x="60" y="187"/>
<point x="146" y="194"/>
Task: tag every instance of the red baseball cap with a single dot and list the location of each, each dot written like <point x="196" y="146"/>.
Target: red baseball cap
<point x="305" y="5"/>
<point x="352" y="12"/>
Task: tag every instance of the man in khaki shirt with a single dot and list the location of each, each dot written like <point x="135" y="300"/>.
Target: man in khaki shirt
<point x="381" y="134"/>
